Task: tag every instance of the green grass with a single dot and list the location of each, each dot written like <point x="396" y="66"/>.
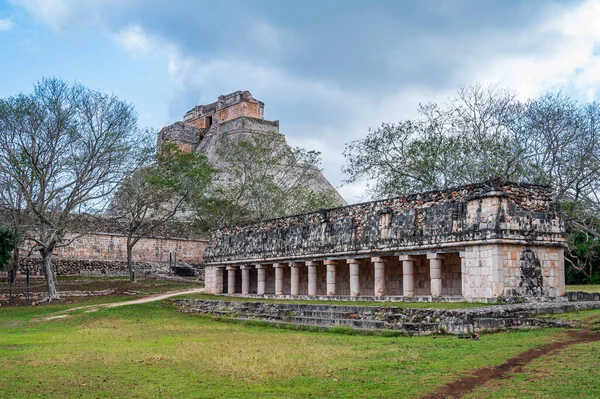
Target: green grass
<point x="122" y="288"/>
<point x="583" y="288"/>
<point x="418" y="305"/>
<point x="589" y="319"/>
<point x="152" y="350"/>
<point x="570" y="373"/>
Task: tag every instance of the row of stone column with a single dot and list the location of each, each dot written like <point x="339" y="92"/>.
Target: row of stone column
<point x="435" y="264"/>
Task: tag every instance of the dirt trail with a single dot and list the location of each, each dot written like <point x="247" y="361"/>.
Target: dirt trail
<point x="463" y="386"/>
<point x="151" y="298"/>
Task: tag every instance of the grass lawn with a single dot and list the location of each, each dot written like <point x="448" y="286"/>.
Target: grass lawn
<point x="121" y="288"/>
<point x="152" y="350"/>
<point x="583" y="288"/>
<point x="570" y="373"/>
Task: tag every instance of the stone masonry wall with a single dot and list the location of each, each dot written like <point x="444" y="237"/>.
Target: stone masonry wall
<point x="149" y="249"/>
<point x="513" y="271"/>
<point x="107" y="254"/>
<point x="412" y="321"/>
<point x="465" y="215"/>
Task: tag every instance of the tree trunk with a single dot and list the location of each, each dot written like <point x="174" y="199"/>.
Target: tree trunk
<point x="130" y="261"/>
<point x="50" y="276"/>
<point x="15" y="261"/>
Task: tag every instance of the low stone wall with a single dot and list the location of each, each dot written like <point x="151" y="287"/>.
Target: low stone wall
<point x="106" y="254"/>
<point x="104" y="246"/>
<point x="66" y="267"/>
<point x="583" y="296"/>
<point x="405" y="320"/>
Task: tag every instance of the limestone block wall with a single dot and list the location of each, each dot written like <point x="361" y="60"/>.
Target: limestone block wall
<point x="150" y="249"/>
<point x="105" y="253"/>
<point x="457" y="216"/>
<point x="393" y="283"/>
<point x="513" y="271"/>
<point x="422" y="278"/>
<point x="210" y="280"/>
<point x="230" y="106"/>
<point x="366" y="277"/>
<point x="533" y="271"/>
<point x="270" y="281"/>
<point x="451" y="274"/>
<point x="477" y="275"/>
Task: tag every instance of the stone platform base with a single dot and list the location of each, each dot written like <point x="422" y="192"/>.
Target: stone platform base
<point x="402" y="320"/>
<point x="367" y="298"/>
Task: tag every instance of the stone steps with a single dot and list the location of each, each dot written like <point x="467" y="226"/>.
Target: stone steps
<point x="408" y="320"/>
<point x="362" y="324"/>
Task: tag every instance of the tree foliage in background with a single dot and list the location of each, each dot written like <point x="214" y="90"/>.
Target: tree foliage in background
<point x="261" y="177"/>
<point x="486" y="131"/>
<point x="9" y="238"/>
<point x="153" y="195"/>
<point x="63" y="150"/>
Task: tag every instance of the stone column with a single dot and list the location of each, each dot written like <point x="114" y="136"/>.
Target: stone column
<point x="497" y="272"/>
<point x="278" y="278"/>
<point x="330" y="276"/>
<point x="261" y="284"/>
<point x="219" y="280"/>
<point x="379" y="276"/>
<point x="408" y="276"/>
<point x="465" y="280"/>
<point x="435" y="273"/>
<point x="354" y="265"/>
<point x="560" y="289"/>
<point x="312" y="277"/>
<point x="294" y="278"/>
<point x="231" y="279"/>
<point x="245" y="279"/>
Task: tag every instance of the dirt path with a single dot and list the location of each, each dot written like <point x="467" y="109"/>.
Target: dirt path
<point x="463" y="386"/>
<point x="151" y="298"/>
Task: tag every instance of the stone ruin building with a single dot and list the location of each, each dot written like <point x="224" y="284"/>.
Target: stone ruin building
<point x="237" y="112"/>
<point x="479" y="242"/>
<point x="239" y="116"/>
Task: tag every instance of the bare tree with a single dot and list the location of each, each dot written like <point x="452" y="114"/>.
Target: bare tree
<point x="485" y="131"/>
<point x="63" y="150"/>
<point x="469" y="139"/>
<point x="260" y="176"/>
<point x="153" y="195"/>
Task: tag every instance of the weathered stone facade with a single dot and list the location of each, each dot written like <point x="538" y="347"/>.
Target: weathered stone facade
<point x="405" y="320"/>
<point x="106" y="254"/>
<point x="238" y="116"/>
<point x="479" y="241"/>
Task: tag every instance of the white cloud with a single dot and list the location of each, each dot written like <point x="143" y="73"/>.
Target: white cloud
<point x="6" y="24"/>
<point x="560" y="52"/>
<point x="61" y="15"/>
<point x="138" y="43"/>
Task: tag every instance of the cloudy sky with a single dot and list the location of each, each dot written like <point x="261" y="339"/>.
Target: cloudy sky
<point x="327" y="69"/>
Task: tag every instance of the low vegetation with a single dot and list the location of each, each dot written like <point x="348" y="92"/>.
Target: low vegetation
<point x="152" y="350"/>
<point x="569" y="373"/>
<point x="105" y="289"/>
<point x="584" y="288"/>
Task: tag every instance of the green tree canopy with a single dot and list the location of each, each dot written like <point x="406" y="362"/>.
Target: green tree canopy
<point x="157" y="192"/>
<point x="485" y="131"/>
<point x="261" y="177"/>
<point x="9" y="239"/>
